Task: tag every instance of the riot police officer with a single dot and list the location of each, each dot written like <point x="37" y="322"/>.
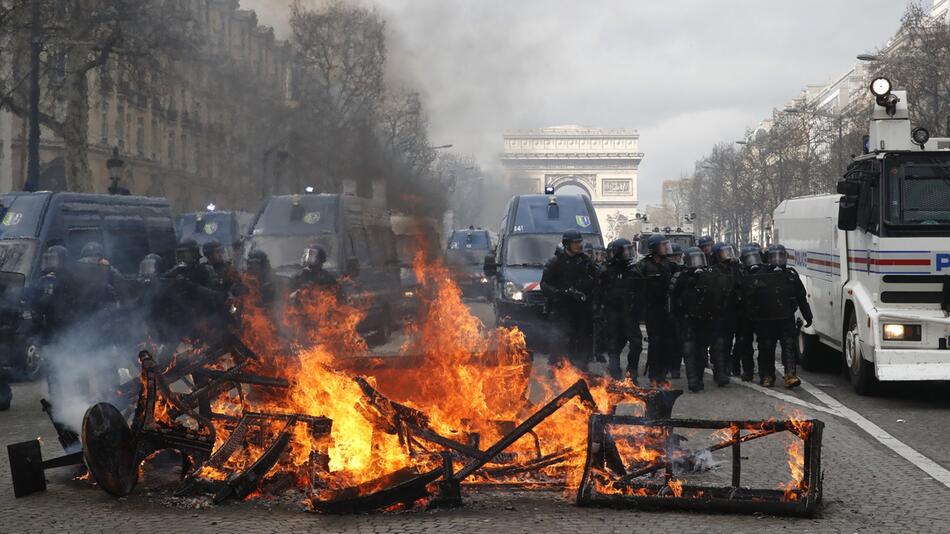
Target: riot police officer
<point x="312" y="273"/>
<point x="189" y="297"/>
<point x="725" y="284"/>
<point x="567" y="284"/>
<point x="694" y="302"/>
<point x="225" y="275"/>
<point x="653" y="273"/>
<point x="743" y="358"/>
<point x="261" y="278"/>
<point x="676" y="257"/>
<point x="598" y="256"/>
<point x="622" y="318"/>
<point x="775" y="293"/>
<point x="705" y="243"/>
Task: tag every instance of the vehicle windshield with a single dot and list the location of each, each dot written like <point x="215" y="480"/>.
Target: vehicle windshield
<point x="536" y="214"/>
<point x="20" y="215"/>
<point x="16" y="255"/>
<point x="918" y="190"/>
<point x="462" y="257"/>
<point x="216" y="226"/>
<point x="534" y="250"/>
<point x="298" y="215"/>
<point x="285" y="251"/>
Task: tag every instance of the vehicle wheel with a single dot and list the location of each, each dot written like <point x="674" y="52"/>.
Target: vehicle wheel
<point x="34" y="364"/>
<point x="812" y="356"/>
<point x="860" y="371"/>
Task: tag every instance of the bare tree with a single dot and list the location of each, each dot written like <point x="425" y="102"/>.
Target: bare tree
<point x="123" y="39"/>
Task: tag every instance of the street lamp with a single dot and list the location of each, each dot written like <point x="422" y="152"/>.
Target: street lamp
<point x="742" y="142"/>
<point x="440" y="147"/>
<point x="114" y="165"/>
<point x="868" y="57"/>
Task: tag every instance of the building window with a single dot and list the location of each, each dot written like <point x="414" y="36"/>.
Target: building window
<point x="140" y="136"/>
<point x="104" y="122"/>
<point x="184" y="152"/>
<point x="171" y="150"/>
<point x="156" y="140"/>
<point x="120" y="125"/>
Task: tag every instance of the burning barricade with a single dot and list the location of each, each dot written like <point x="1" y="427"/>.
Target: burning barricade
<point x="353" y="432"/>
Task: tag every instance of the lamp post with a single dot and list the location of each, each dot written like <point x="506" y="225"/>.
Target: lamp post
<point x="115" y="165"/>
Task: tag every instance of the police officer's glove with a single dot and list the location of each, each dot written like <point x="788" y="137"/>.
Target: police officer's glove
<point x="808" y="321"/>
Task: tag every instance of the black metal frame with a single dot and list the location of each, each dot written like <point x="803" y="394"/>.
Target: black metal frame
<point x="602" y="468"/>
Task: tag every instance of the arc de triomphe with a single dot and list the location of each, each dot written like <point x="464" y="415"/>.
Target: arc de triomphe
<point x="602" y="163"/>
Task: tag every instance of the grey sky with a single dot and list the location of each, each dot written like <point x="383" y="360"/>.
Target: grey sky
<point x="685" y="73"/>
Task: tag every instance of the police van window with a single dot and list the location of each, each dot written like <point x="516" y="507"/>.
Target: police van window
<point x="298" y="215"/>
<point x="126" y="245"/>
<point x="20" y="215"/>
<point x="918" y="190"/>
<point x="469" y="239"/>
<point x="869" y="201"/>
<point x="361" y="245"/>
<point x="76" y="238"/>
<point x="533" y="215"/>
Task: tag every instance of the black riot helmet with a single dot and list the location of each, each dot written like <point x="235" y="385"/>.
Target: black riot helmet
<point x="623" y="249"/>
<point x="92" y="250"/>
<point x="659" y="245"/>
<point x="187" y="252"/>
<point x="777" y="255"/>
<point x="150" y="265"/>
<point x="313" y="257"/>
<point x="611" y="250"/>
<point x="53" y="259"/>
<point x="258" y="264"/>
<point x="213" y="251"/>
<point x="694" y="258"/>
<point x="571" y="236"/>
<point x="677" y="254"/>
<point x="703" y="242"/>
<point x="724" y="252"/>
<point x="751" y="255"/>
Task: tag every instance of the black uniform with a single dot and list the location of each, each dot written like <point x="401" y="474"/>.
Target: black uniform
<point x="653" y="279"/>
<point x="743" y="354"/>
<point x="621" y="316"/>
<point x="567" y="284"/>
<point x="773" y="294"/>
<point x="724" y="323"/>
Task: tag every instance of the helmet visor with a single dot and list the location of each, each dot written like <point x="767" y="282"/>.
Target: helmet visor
<point x="312" y="256"/>
<point x="629" y="252"/>
<point x="51" y="261"/>
<point x="695" y="258"/>
<point x="751" y="258"/>
<point x="664" y="248"/>
<point x="186" y="255"/>
<point x="600" y="255"/>
<point x="148" y="267"/>
<point x="727" y="253"/>
<point x="778" y="257"/>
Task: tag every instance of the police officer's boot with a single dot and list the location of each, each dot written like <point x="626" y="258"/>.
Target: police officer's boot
<point x="694" y="366"/>
<point x="6" y="393"/>
<point x="633" y="359"/>
<point x="789" y="361"/>
<point x="720" y="361"/>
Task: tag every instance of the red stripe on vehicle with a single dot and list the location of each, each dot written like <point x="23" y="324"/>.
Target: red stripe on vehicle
<point x="890" y="261"/>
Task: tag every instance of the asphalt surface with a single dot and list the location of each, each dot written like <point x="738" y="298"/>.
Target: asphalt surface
<point x="867" y="486"/>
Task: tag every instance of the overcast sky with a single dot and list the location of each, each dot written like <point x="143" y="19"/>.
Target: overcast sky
<point x="685" y="73"/>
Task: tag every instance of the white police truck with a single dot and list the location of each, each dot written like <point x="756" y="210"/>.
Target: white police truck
<point x="875" y="258"/>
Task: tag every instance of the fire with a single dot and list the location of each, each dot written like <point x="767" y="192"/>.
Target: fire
<point x="470" y="382"/>
<point x="796" y="456"/>
<point x="676" y="486"/>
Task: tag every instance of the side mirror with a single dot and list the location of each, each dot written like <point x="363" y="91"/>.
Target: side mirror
<point x="491" y="268"/>
<point x="352" y="266"/>
<point x="848" y="188"/>
<point x="848" y="212"/>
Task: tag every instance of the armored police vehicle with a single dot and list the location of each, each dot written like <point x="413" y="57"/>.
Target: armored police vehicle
<point x="357" y="236"/>
<point x="465" y="254"/>
<point x="128" y="227"/>
<point x="875" y="258"/>
<point x="530" y="234"/>
<point x="678" y="236"/>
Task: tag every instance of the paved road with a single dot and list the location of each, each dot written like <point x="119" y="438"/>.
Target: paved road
<point x="868" y="488"/>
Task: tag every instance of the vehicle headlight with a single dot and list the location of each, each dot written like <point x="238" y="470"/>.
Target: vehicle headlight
<point x="483" y="280"/>
<point x="26" y="315"/>
<point x="901" y="332"/>
<point x="512" y="292"/>
<point x="408" y="293"/>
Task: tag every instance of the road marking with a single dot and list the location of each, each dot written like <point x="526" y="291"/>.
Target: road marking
<point x="791" y="399"/>
<point x="928" y="466"/>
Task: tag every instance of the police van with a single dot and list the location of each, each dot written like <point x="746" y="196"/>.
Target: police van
<point x="530" y="234"/>
<point x="128" y="227"/>
<point x="356" y="234"/>
<point x="675" y="236"/>
<point x="465" y="255"/>
<point x="875" y="258"/>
